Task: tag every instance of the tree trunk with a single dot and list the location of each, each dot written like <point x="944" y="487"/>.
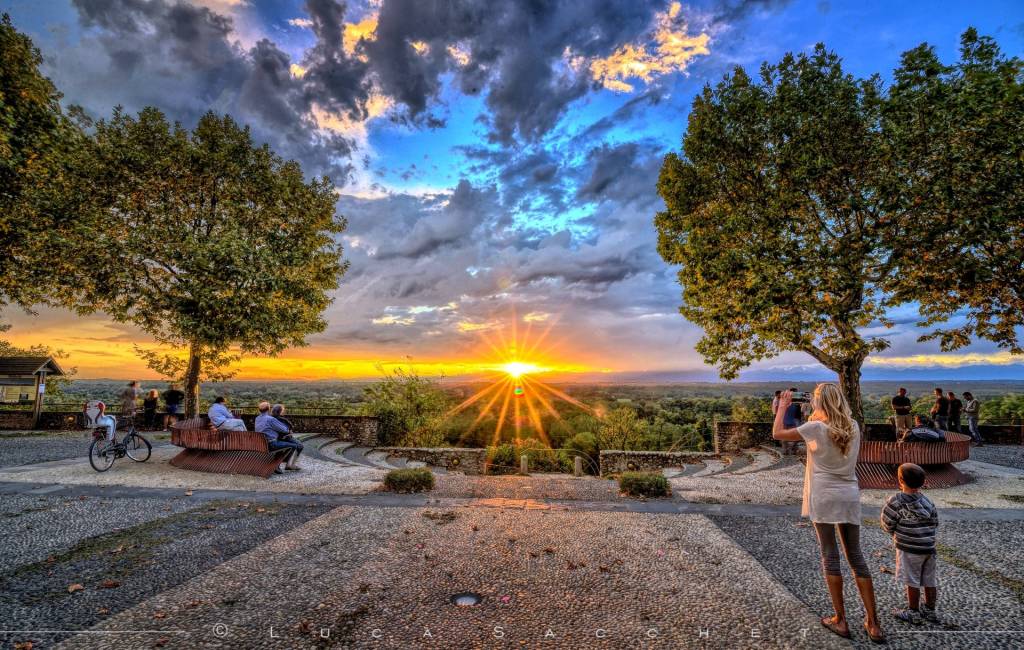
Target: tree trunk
<point x="849" y="383"/>
<point x="192" y="381"/>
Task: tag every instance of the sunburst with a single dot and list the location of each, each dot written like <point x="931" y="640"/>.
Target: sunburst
<point x="515" y="386"/>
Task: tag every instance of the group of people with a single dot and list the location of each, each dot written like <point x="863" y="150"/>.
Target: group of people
<point x="270" y="421"/>
<point x="945" y="413"/>
<point x="173" y="398"/>
<point x="831" y="500"/>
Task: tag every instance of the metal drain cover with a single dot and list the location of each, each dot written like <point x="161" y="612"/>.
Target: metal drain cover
<point x="466" y="599"/>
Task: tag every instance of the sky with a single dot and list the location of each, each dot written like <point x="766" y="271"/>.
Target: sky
<point x="496" y="161"/>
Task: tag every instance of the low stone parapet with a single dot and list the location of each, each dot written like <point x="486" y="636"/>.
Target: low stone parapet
<point x="467" y="460"/>
<point x="616" y="462"/>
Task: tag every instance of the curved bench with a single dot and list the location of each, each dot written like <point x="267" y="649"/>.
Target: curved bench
<point x="879" y="460"/>
<point x="222" y="452"/>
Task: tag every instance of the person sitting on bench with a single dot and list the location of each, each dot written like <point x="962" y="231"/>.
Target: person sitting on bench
<point x="277" y="434"/>
<point x="222" y="418"/>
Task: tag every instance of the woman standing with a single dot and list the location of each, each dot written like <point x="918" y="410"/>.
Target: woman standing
<point x="149" y="405"/>
<point x="832" y="498"/>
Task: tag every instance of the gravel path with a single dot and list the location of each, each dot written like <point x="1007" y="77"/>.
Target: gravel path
<point x="537" y="486"/>
<point x="118" y="569"/>
<point x="967" y="599"/>
<point x="570" y="580"/>
<point x="34" y="527"/>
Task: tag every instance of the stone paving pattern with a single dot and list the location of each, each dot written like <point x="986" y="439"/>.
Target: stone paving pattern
<point x="558" y="561"/>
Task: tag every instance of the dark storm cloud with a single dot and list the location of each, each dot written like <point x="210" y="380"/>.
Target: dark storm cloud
<point x="455" y="222"/>
<point x="622" y="173"/>
<point x="733" y="10"/>
<point x="333" y="79"/>
<point x="183" y="59"/>
<point x="515" y="53"/>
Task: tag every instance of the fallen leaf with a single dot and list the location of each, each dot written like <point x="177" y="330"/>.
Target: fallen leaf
<point x="194" y="603"/>
<point x="159" y="615"/>
<point x="23" y="645"/>
<point x="161" y="642"/>
<point x="110" y="584"/>
<point x="188" y="493"/>
<point x="72" y="588"/>
<point x="261" y="509"/>
<point x="103" y="611"/>
<point x="549" y="550"/>
<point x="885" y="569"/>
<point x="602" y="568"/>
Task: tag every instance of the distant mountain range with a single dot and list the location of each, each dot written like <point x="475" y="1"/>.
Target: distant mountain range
<point x="1013" y="372"/>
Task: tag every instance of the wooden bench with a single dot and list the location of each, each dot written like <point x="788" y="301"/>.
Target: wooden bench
<point x="879" y="460"/>
<point x="207" y="449"/>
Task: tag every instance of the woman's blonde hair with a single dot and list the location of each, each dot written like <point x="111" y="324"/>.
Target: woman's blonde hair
<point x="831" y="407"/>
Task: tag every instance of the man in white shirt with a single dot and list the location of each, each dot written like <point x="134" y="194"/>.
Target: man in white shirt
<point x="222" y="418"/>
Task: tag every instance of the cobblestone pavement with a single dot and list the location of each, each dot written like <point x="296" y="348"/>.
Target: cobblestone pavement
<point x="23" y="450"/>
<point x="88" y="578"/>
<point x="1008" y="455"/>
<point x="556" y="561"/>
<point x="980" y="588"/>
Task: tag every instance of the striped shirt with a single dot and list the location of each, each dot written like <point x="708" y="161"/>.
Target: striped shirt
<point x="911" y="519"/>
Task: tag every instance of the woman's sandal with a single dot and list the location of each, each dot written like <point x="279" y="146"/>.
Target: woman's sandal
<point x="874" y="639"/>
<point x="834" y="628"/>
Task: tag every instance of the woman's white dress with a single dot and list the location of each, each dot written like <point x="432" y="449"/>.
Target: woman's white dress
<point x="831" y="492"/>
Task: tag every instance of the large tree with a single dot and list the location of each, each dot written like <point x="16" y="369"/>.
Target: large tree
<point x="204" y="240"/>
<point x="36" y="138"/>
<point x="957" y="132"/>
<point x="774" y="213"/>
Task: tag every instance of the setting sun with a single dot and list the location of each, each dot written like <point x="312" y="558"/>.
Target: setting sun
<point x="518" y="369"/>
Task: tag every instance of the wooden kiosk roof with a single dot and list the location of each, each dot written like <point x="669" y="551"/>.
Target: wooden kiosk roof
<point x="29" y="366"/>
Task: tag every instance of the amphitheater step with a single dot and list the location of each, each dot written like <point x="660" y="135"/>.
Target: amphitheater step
<point x="380" y="459"/>
<point x="711" y="467"/>
<point x="761" y="460"/>
<point x="357" y="455"/>
<point x="690" y="470"/>
<point x="736" y="463"/>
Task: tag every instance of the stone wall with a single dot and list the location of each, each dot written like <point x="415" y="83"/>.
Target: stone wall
<point x="732" y="436"/>
<point x="363" y="430"/>
<point x="17" y="420"/>
<point x="616" y="462"/>
<point x="457" y="459"/>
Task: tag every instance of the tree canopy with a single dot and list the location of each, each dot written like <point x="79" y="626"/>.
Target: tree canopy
<point x="36" y="138"/>
<point x="806" y="203"/>
<point x="957" y="132"/>
<point x="205" y="240"/>
<point x="773" y="211"/>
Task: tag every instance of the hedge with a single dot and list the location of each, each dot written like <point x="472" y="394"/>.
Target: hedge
<point x="643" y="484"/>
<point x="413" y="479"/>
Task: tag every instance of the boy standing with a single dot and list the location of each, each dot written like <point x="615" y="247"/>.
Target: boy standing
<point x="910" y="517"/>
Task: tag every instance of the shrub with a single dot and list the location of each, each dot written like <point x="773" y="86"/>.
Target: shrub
<point x="643" y="484"/>
<point x="502" y="459"/>
<point x="413" y="479"/>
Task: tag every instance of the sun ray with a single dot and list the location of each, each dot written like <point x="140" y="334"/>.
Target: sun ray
<point x="472" y="399"/>
<point x="535" y="419"/>
<point x="561" y="395"/>
<point x="486" y="409"/>
<point x="543" y="400"/>
<point x="501" y="416"/>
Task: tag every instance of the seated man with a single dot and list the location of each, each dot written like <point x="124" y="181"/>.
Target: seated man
<point x="924" y="431"/>
<point x="277" y="433"/>
<point x="222" y="418"/>
<point x="104" y="420"/>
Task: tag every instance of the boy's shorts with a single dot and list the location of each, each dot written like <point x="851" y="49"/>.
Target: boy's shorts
<point x="916" y="570"/>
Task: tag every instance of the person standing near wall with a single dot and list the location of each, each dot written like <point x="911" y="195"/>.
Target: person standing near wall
<point x="129" y="399"/>
<point x="940" y="410"/>
<point x="955" y="407"/>
<point x="149" y="405"/>
<point x="901" y="408"/>
<point x="971" y="411"/>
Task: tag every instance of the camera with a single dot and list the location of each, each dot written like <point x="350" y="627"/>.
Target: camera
<point x="801" y="396"/>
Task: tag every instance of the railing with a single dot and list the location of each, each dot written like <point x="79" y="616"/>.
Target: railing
<point x="243" y="409"/>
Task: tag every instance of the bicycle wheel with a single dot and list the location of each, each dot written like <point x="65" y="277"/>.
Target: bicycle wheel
<point x="137" y="448"/>
<point x="101" y="455"/>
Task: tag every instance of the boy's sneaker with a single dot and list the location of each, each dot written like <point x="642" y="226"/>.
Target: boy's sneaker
<point x="907" y="615"/>
<point x="929" y="614"/>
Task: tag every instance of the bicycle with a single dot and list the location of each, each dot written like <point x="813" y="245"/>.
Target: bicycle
<point x="103" y="452"/>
